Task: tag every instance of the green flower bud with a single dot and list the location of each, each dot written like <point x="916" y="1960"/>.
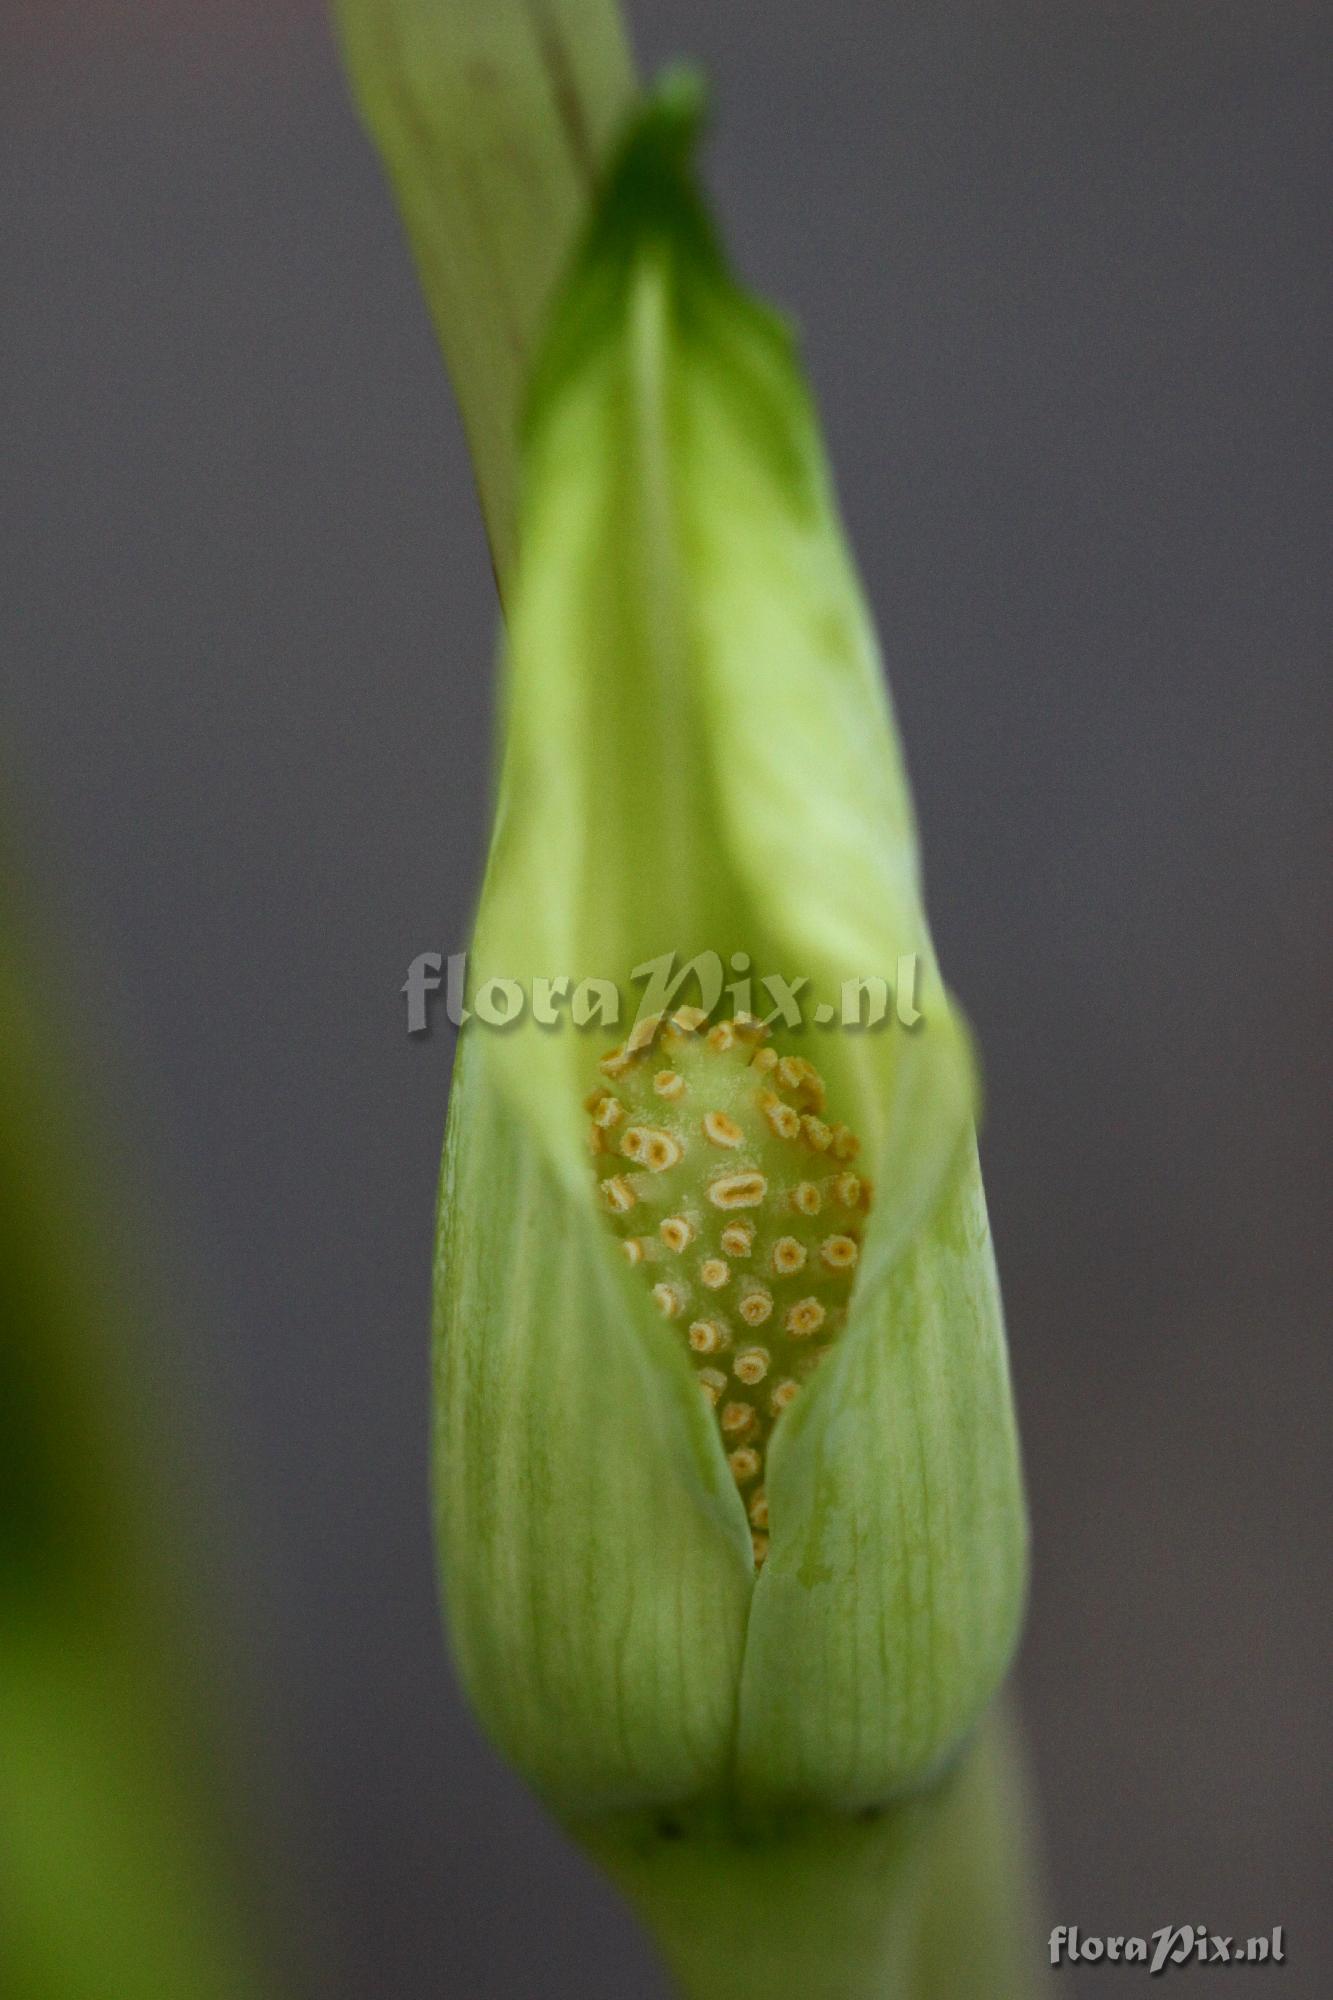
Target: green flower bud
<point x="794" y="1593"/>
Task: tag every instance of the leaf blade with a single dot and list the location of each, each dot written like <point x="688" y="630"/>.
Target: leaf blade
<point x="493" y="122"/>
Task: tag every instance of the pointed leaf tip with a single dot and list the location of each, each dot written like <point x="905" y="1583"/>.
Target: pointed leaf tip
<point x="652" y="172"/>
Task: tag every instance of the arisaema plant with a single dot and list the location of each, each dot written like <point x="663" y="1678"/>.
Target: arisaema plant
<point x="729" y="1502"/>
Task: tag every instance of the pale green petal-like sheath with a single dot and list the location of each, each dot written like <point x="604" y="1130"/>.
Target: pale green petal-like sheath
<point x="596" y="1565"/>
<point x="699" y="755"/>
<point x="698" y="750"/>
<point x="889" y="1605"/>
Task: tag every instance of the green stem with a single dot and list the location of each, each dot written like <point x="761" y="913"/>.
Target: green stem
<point x="823" y="1910"/>
<point x="928" y="1900"/>
<point x="984" y="1898"/>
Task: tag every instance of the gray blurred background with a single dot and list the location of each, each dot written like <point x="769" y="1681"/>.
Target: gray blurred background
<point x="1061" y="270"/>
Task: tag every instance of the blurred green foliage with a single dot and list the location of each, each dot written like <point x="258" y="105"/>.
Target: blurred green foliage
<point x="121" y="1880"/>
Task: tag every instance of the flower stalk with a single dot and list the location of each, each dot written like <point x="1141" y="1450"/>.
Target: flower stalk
<point x="932" y="1900"/>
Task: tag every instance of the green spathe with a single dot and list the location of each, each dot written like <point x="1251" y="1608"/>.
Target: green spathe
<point x="698" y="754"/>
<point x="698" y="749"/>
